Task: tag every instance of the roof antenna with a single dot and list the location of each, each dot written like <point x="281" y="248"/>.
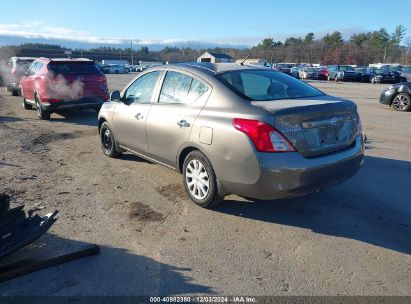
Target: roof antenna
<point x="249" y="54"/>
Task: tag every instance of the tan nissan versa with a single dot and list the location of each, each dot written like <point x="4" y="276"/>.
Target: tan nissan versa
<point x="230" y="128"/>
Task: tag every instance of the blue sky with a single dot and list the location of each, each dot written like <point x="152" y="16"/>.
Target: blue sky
<point x="237" y="22"/>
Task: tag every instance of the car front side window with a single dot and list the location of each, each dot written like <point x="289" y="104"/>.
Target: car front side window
<point x="142" y="89"/>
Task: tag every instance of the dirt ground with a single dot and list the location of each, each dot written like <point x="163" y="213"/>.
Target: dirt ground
<point x="354" y="239"/>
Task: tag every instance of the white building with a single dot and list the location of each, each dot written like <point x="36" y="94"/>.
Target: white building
<point x="215" y="58"/>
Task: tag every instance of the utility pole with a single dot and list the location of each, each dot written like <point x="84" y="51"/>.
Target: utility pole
<point x="131" y="52"/>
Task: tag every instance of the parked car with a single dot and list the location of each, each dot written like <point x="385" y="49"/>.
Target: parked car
<point x="215" y="124"/>
<point x="115" y="69"/>
<point x="396" y="73"/>
<point x="295" y="72"/>
<point x="397" y="96"/>
<point x="141" y="68"/>
<point x="323" y="73"/>
<point x="341" y="72"/>
<point x="309" y="73"/>
<point x="360" y="74"/>
<point x="284" y="67"/>
<point x="18" y="68"/>
<point x="379" y="75"/>
<point x="57" y="84"/>
<point x="405" y="73"/>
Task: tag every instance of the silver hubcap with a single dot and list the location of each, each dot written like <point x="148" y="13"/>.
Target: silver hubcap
<point x="107" y="139"/>
<point x="401" y="102"/>
<point x="38" y="107"/>
<point x="197" y="179"/>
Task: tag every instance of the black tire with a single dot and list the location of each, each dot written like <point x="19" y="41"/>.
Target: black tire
<point x="41" y="113"/>
<point x="212" y="199"/>
<point x="24" y="103"/>
<point x="14" y="92"/>
<point x="401" y="102"/>
<point x="107" y="141"/>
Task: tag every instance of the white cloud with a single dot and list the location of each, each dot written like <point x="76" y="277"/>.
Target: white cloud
<point x="38" y="29"/>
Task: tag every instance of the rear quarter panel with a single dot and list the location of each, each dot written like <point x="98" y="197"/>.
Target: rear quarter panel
<point x="231" y="152"/>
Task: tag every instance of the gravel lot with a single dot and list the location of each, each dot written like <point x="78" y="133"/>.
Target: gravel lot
<point x="354" y="239"/>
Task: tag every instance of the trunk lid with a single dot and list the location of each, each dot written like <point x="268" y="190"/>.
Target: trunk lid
<point x="317" y="125"/>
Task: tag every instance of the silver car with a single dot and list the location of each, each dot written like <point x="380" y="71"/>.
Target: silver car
<point x="234" y="129"/>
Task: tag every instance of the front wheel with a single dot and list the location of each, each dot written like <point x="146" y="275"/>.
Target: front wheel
<point x="200" y="181"/>
<point x="401" y="102"/>
<point x="107" y="141"/>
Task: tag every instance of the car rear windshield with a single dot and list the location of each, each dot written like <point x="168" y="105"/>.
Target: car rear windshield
<point x="264" y="85"/>
<point x="25" y="63"/>
<point x="70" y="68"/>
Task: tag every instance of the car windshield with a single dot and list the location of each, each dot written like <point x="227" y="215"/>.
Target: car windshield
<point x="395" y="68"/>
<point x="346" y="68"/>
<point x="72" y="68"/>
<point x="264" y="85"/>
<point x="406" y="69"/>
<point x="383" y="70"/>
<point x="311" y="70"/>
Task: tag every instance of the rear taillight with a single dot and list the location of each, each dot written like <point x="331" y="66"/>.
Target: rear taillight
<point x="54" y="100"/>
<point x="101" y="78"/>
<point x="264" y="137"/>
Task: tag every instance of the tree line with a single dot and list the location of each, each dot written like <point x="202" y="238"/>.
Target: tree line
<point x="359" y="49"/>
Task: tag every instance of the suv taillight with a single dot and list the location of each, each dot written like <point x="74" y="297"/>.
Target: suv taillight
<point x="264" y="137"/>
<point x="101" y="78"/>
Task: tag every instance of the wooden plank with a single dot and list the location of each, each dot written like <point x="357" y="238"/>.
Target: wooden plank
<point x="46" y="258"/>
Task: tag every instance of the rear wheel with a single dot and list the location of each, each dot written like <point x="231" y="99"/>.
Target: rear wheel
<point x="200" y="181"/>
<point x="402" y="102"/>
<point x="14" y="92"/>
<point x="107" y="141"/>
<point x="42" y="114"/>
<point x="24" y="103"/>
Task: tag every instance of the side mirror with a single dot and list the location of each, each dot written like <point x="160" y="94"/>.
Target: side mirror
<point x="115" y="96"/>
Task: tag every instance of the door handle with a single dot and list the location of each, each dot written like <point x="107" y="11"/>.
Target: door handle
<point x="139" y="116"/>
<point x="183" y="124"/>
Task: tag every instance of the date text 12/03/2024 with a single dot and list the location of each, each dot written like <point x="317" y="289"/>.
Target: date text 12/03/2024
<point x="203" y="299"/>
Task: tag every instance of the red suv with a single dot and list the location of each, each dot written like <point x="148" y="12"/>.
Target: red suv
<point x="51" y="85"/>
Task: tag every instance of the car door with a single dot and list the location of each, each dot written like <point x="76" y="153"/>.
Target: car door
<point x="27" y="82"/>
<point x="181" y="98"/>
<point x="130" y="115"/>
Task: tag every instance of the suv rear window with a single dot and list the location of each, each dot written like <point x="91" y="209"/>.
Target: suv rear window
<point x="72" y="68"/>
<point x="264" y="85"/>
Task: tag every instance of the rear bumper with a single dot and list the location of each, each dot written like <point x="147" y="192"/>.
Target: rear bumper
<point x="84" y="103"/>
<point x="285" y="175"/>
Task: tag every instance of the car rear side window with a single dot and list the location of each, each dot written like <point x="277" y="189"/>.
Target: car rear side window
<point x="142" y="89"/>
<point x="264" y="85"/>
<point x="181" y="88"/>
<point x="73" y="68"/>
